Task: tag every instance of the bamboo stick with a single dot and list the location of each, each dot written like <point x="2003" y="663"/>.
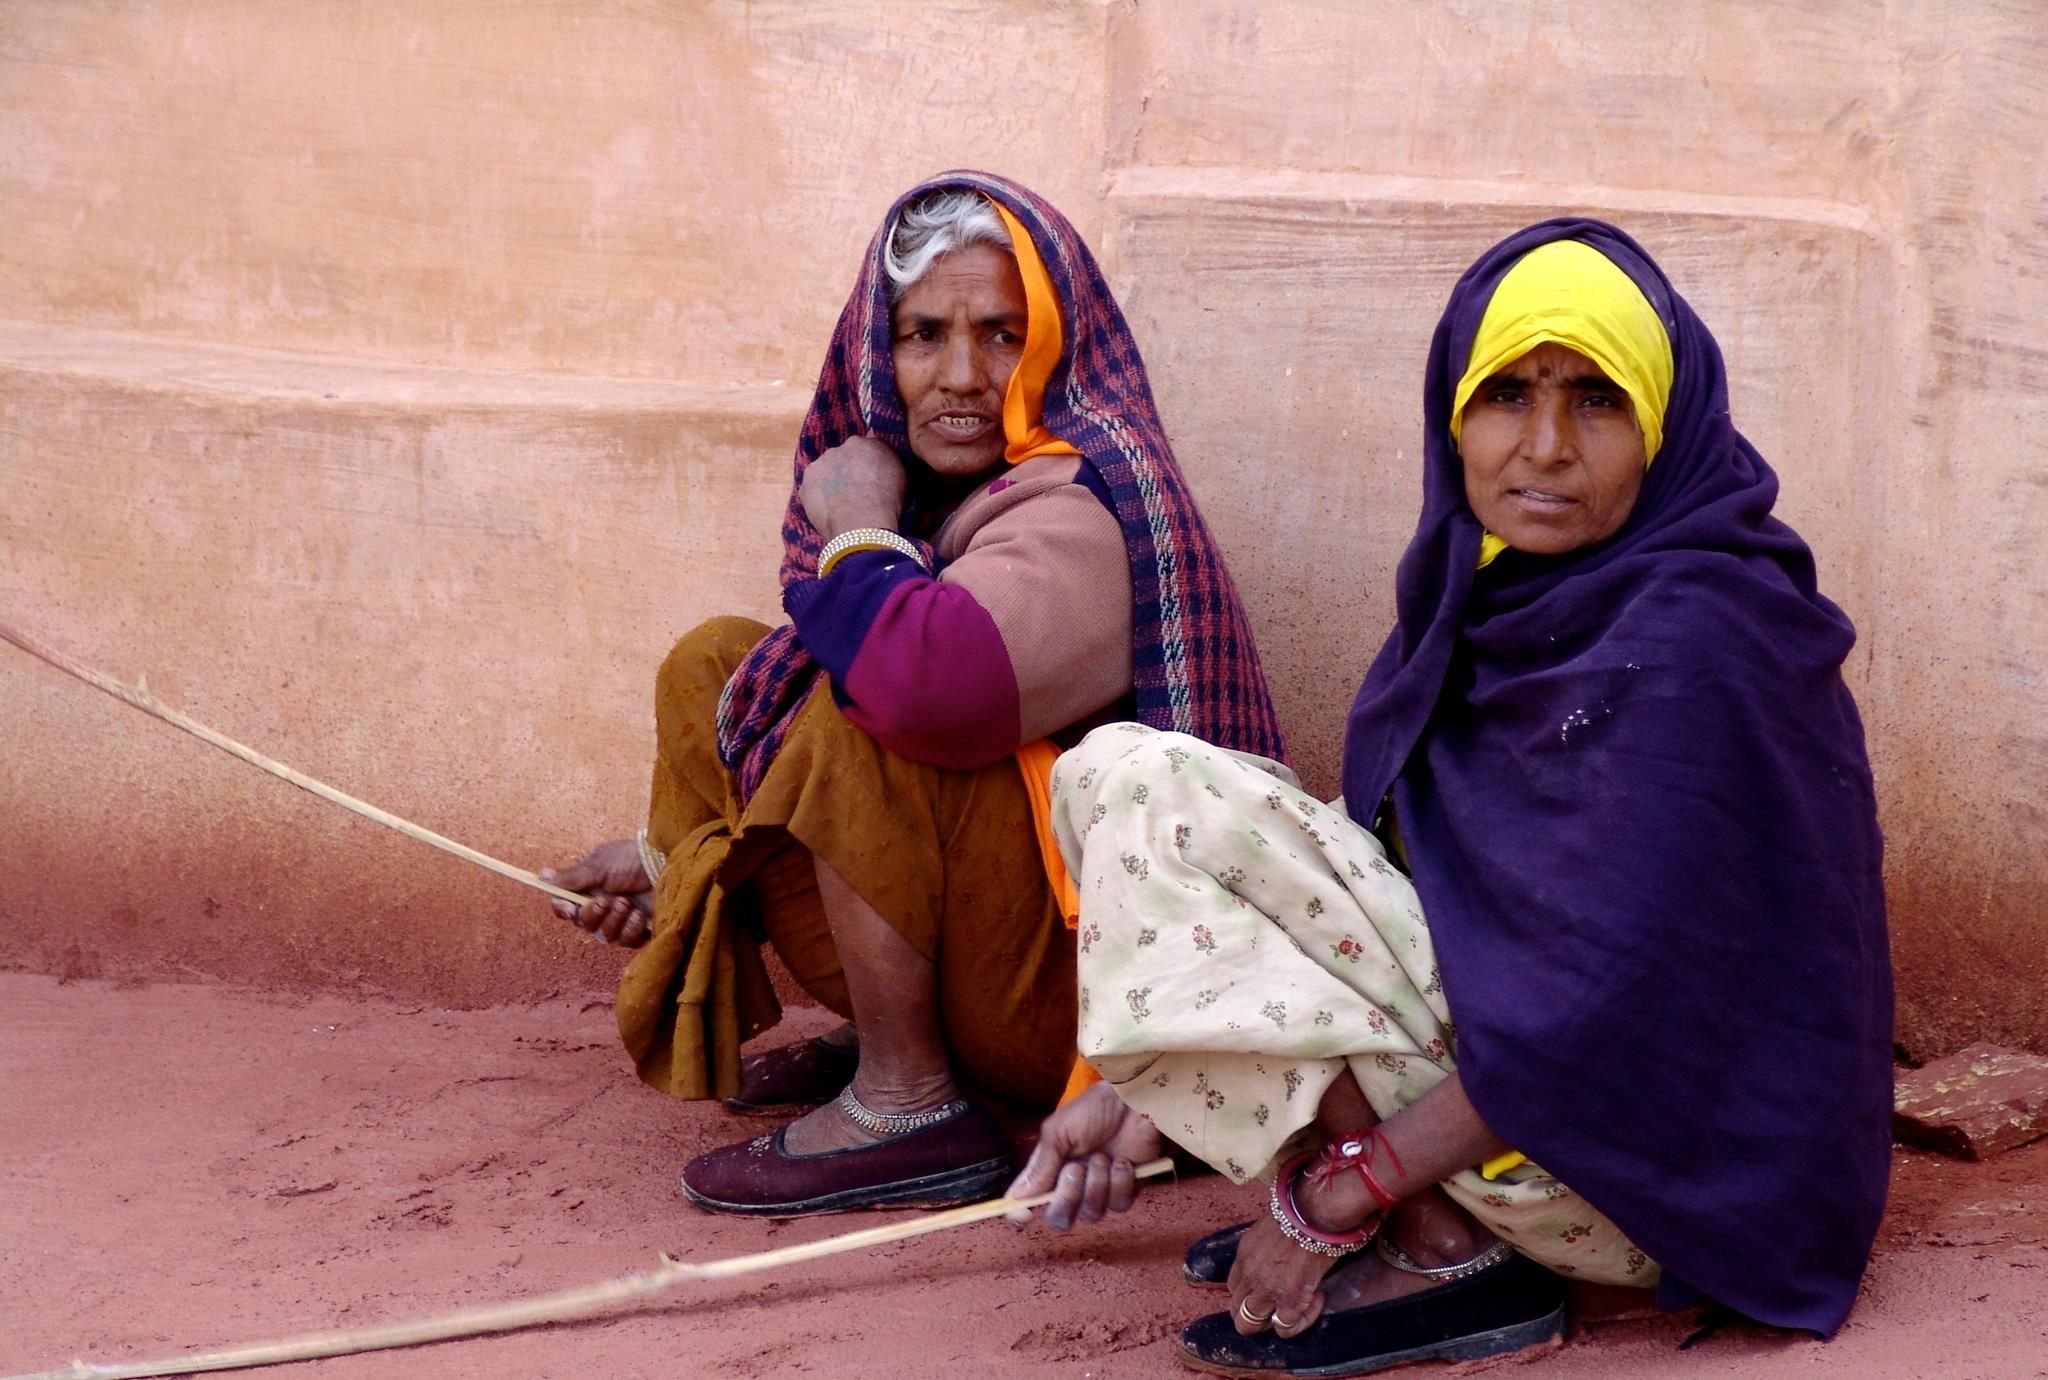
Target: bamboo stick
<point x="559" y="1306"/>
<point x="139" y="696"/>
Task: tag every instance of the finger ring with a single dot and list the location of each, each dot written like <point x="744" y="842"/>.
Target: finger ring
<point x="1279" y="1322"/>
<point x="1244" y="1310"/>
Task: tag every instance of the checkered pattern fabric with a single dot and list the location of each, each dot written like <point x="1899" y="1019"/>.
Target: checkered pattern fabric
<point x="1195" y="666"/>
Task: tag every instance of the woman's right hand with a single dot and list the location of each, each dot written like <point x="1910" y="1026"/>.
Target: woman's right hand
<point x="857" y="483"/>
<point x="1087" y="1156"/>
<point x="621" y="897"/>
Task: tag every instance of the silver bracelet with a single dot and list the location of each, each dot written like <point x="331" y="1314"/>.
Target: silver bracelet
<point x="865" y="539"/>
<point x="651" y="861"/>
<point x="1288" y="1215"/>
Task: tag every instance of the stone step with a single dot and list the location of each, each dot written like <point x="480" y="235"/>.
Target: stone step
<point x="443" y="591"/>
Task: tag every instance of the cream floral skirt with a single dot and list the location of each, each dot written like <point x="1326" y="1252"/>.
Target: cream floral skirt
<point x="1241" y="945"/>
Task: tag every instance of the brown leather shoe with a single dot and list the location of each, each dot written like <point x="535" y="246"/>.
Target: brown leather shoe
<point x="794" y="1078"/>
<point x="962" y="1159"/>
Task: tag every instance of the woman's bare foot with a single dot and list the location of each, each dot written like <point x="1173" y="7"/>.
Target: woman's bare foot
<point x="621" y="903"/>
<point x="1429" y="1228"/>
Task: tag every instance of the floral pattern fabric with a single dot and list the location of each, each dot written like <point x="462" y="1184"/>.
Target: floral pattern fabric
<point x="1241" y="944"/>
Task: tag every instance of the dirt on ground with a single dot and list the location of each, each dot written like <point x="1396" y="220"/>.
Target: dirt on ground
<point x="185" y="1166"/>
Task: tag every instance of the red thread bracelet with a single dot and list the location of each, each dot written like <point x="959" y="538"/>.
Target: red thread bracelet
<point x="1354" y="1152"/>
<point x="1373" y="1186"/>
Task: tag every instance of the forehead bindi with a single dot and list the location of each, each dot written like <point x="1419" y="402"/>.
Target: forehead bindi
<point x="1576" y="374"/>
<point x="1558" y="363"/>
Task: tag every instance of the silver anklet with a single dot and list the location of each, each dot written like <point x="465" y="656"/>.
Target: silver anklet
<point x="894" y="1123"/>
<point x="1444" y="1274"/>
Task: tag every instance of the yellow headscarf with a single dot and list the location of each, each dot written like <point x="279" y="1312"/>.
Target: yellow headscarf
<point x="1570" y="293"/>
<point x="1044" y="341"/>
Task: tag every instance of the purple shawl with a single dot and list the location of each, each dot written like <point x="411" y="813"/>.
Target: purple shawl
<point x="1196" y="669"/>
<point x="1634" y="791"/>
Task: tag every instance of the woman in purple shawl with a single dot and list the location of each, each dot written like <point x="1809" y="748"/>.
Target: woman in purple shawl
<point x="1643" y="1035"/>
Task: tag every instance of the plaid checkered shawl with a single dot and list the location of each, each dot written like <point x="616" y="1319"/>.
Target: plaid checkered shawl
<point x="1196" y="668"/>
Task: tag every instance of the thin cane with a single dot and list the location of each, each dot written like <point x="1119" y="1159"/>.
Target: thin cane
<point x="139" y="696"/>
<point x="546" y="1308"/>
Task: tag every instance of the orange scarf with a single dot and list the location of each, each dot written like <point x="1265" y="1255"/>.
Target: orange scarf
<point x="1044" y="343"/>
<point x="1024" y="430"/>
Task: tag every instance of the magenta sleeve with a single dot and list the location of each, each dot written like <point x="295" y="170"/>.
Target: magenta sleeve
<point x="932" y="680"/>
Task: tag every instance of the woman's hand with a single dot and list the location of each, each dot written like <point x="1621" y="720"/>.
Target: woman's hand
<point x="1087" y="1157"/>
<point x="1275" y="1283"/>
<point x="621" y="897"/>
<point x="857" y="483"/>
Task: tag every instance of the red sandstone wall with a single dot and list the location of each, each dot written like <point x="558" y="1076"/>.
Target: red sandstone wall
<point x="390" y="383"/>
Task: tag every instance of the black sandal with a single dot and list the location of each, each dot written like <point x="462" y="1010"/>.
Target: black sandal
<point x="1496" y="1302"/>
<point x="1209" y="1260"/>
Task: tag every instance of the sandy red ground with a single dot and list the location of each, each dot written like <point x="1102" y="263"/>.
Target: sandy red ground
<point x="186" y="1166"/>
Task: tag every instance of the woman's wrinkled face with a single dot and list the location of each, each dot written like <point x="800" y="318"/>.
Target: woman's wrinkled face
<point x="959" y="332"/>
<point x="1553" y="454"/>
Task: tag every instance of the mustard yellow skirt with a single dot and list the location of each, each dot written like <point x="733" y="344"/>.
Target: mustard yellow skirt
<point x="948" y="858"/>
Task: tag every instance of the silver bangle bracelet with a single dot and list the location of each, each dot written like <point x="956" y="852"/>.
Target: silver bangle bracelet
<point x="651" y="862"/>
<point x="1287" y="1214"/>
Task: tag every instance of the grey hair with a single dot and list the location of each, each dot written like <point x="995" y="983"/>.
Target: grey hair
<point x="934" y="226"/>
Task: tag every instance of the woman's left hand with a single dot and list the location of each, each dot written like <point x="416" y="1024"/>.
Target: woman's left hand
<point x="1275" y="1281"/>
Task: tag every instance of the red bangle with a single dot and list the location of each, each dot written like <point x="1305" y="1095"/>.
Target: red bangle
<point x="1288" y="1214"/>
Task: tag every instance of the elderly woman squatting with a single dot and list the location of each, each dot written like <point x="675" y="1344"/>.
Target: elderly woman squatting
<point x="988" y="548"/>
